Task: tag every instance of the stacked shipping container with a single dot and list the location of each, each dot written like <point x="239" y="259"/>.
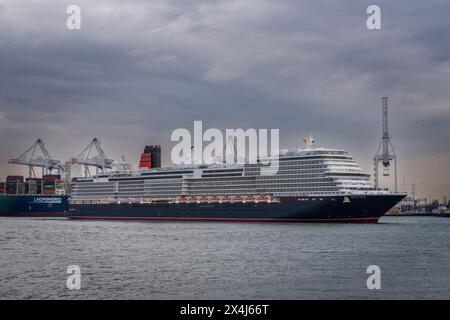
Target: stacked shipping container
<point x="33" y="186"/>
<point x="49" y="183"/>
<point x="14" y="185"/>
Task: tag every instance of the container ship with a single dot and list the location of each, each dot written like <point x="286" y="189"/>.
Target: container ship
<point x="32" y="197"/>
<point x="311" y="185"/>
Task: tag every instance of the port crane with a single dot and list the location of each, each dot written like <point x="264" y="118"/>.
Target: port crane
<point x="31" y="158"/>
<point x="88" y="159"/>
<point x="388" y="154"/>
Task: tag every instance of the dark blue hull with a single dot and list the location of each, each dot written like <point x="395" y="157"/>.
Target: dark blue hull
<point x="33" y="206"/>
<point x="366" y="208"/>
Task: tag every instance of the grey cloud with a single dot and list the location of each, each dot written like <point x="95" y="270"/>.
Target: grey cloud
<point x="139" y="69"/>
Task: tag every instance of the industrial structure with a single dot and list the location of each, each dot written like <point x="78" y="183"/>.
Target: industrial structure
<point x="87" y="158"/>
<point x="388" y="154"/>
<point x="31" y="158"/>
<point x="52" y="183"/>
<point x="49" y="184"/>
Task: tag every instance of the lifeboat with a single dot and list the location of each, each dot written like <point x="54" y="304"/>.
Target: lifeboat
<point x="189" y="200"/>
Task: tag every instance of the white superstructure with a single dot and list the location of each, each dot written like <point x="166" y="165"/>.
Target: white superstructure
<point x="302" y="172"/>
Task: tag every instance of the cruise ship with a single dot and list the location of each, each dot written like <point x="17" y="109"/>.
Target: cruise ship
<point x="312" y="184"/>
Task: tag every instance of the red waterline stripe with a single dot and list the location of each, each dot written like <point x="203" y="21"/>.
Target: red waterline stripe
<point x="346" y="220"/>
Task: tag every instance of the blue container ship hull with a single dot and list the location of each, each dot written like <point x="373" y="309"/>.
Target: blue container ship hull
<point x="33" y="206"/>
<point x="358" y="209"/>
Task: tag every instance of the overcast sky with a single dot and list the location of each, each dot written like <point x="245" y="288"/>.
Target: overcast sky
<point x="137" y="70"/>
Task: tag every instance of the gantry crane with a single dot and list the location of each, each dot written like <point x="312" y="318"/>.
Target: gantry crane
<point x="45" y="161"/>
<point x="87" y="159"/>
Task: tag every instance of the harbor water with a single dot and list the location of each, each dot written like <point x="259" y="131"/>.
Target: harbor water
<point x="203" y="260"/>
